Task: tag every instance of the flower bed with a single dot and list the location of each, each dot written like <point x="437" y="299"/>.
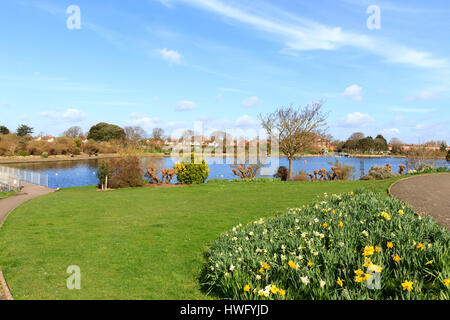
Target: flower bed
<point x="337" y="248"/>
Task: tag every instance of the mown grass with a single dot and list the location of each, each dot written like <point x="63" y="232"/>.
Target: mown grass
<point x="4" y="195"/>
<point x="141" y="243"/>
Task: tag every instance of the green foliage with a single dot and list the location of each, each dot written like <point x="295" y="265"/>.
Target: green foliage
<point x="44" y="154"/>
<point x="4" y="130"/>
<point x="448" y="156"/>
<point x="24" y="130"/>
<point x="76" y="151"/>
<point x="424" y="168"/>
<point x="189" y="172"/>
<point x="102" y="172"/>
<point x="316" y="253"/>
<point x="105" y="132"/>
<point x="23" y="153"/>
<point x="77" y="142"/>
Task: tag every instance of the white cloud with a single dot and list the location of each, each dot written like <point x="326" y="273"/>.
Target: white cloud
<point x="170" y="55"/>
<point x="251" y="102"/>
<point x="185" y="106"/>
<point x="70" y="115"/>
<point x="300" y="34"/>
<point x="145" y="122"/>
<point x="354" y="92"/>
<point x="356" y="120"/>
<point x="246" y="121"/>
<point x="413" y="110"/>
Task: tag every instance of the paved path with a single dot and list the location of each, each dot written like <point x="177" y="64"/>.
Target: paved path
<point x="427" y="193"/>
<point x="29" y="192"/>
<point x="7" y="205"/>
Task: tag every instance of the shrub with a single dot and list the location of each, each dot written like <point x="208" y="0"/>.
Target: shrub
<point x="102" y="172"/>
<point x="379" y="173"/>
<point x="44" y="154"/>
<point x="345" y="172"/>
<point x="447" y="157"/>
<point x="189" y="172"/>
<point x="125" y="172"/>
<point x="76" y="151"/>
<point x="301" y="176"/>
<point x="327" y="249"/>
<point x="282" y="173"/>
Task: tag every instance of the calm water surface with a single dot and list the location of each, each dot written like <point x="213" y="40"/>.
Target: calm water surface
<point x="80" y="173"/>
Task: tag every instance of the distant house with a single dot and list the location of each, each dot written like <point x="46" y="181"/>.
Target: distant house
<point x="46" y="138"/>
<point x="322" y="143"/>
<point x="84" y="139"/>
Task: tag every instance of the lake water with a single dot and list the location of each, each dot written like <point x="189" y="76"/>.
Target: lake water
<point x="80" y="173"/>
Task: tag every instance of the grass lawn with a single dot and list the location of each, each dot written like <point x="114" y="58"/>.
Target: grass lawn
<point x="141" y="243"/>
<point x="7" y="194"/>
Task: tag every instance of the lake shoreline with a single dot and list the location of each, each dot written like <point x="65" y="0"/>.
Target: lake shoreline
<point x="39" y="159"/>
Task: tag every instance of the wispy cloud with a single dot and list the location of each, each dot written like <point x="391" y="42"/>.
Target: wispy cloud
<point x="424" y="95"/>
<point x="413" y="110"/>
<point x="356" y="120"/>
<point x="185" y="106"/>
<point x="251" y="102"/>
<point x="70" y="115"/>
<point x="170" y="55"/>
<point x="299" y="34"/>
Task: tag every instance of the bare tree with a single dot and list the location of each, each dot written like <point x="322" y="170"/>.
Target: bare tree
<point x="73" y="132"/>
<point x="295" y="128"/>
<point x="134" y="134"/>
<point x="158" y="134"/>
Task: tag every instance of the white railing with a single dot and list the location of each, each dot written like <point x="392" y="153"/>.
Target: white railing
<point x="11" y="174"/>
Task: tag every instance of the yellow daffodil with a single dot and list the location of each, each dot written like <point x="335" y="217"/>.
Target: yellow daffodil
<point x="447" y="282"/>
<point x="274" y="289"/>
<point x="420" y="246"/>
<point x="429" y="262"/>
<point x="368" y="251"/>
<point x="340" y="282"/>
<point x="266" y="266"/>
<point x="390" y="245"/>
<point x="401" y="212"/>
<point x="407" y="285"/>
<point x="378" y="249"/>
<point x="325" y="225"/>
<point x="367" y="262"/>
<point x="261" y="270"/>
<point x="247" y="288"/>
<point x="359" y="279"/>
<point x="397" y="258"/>
<point x="341" y="224"/>
<point x="282" y="292"/>
<point x="292" y="264"/>
<point x="359" y="272"/>
<point x="386" y="215"/>
<point x="310" y="264"/>
<point x="367" y="276"/>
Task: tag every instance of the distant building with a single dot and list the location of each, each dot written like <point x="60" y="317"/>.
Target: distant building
<point x="322" y="143"/>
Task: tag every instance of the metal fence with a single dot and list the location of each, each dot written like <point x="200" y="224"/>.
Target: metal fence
<point x="10" y="175"/>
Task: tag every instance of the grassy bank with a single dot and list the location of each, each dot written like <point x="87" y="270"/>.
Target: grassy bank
<point x="136" y="243"/>
<point x="4" y="195"/>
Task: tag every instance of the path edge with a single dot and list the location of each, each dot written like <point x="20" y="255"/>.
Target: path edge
<point x="5" y="288"/>
<point x="411" y="177"/>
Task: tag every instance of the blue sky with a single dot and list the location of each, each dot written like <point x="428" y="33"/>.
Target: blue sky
<point x="169" y="63"/>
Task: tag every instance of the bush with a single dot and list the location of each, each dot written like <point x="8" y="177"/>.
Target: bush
<point x="329" y="249"/>
<point x="379" y="173"/>
<point x="102" y="172"/>
<point x="190" y="172"/>
<point x="44" y="155"/>
<point x="345" y="172"/>
<point x="76" y="151"/>
<point x="301" y="176"/>
<point x="125" y="172"/>
<point x="282" y="173"/>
